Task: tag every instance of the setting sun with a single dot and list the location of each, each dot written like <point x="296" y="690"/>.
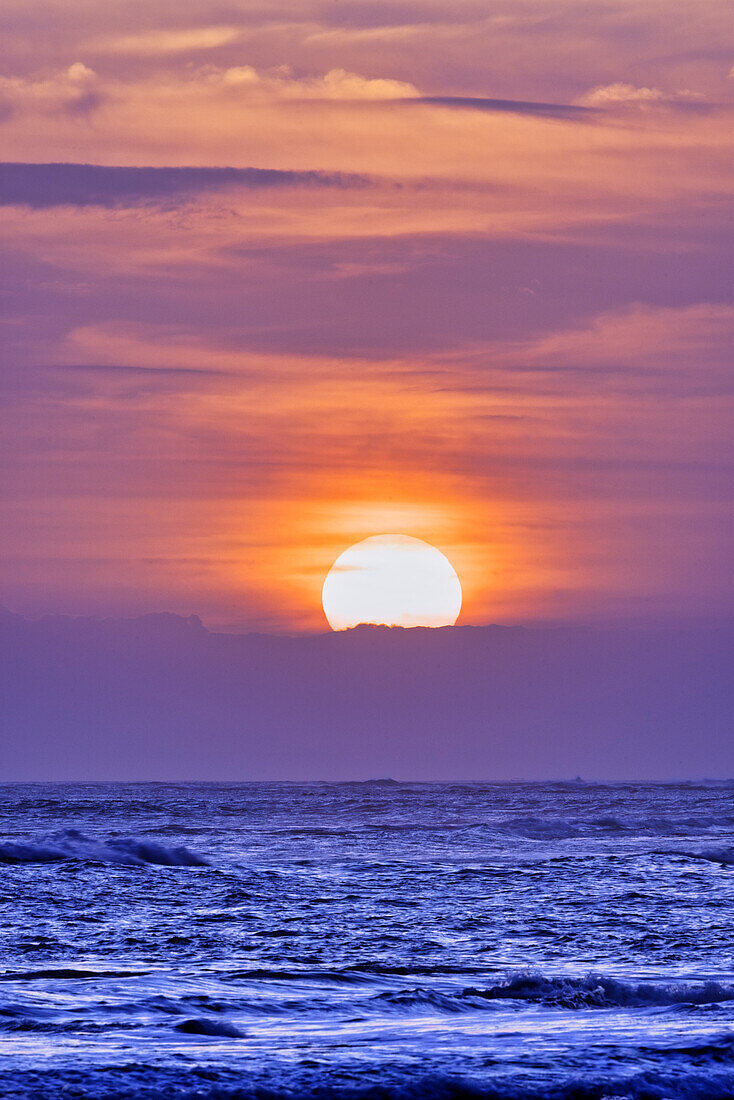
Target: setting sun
<point x="391" y="580"/>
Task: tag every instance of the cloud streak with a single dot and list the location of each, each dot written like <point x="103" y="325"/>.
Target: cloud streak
<point x="566" y="111"/>
<point x="45" y="185"/>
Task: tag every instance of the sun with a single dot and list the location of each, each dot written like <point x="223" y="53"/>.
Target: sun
<point x="391" y="580"/>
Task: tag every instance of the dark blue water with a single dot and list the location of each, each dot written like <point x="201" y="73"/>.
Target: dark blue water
<point x="373" y="940"/>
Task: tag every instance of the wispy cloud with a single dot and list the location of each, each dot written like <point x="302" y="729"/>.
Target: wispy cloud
<point x="168" y="41"/>
<point x="624" y="95"/>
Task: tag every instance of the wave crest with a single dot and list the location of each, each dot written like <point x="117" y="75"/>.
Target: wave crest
<point x="71" y="844"/>
<point x="591" y="991"/>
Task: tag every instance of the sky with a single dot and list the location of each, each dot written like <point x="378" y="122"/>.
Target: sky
<point x="161" y="697"/>
<point x="278" y="276"/>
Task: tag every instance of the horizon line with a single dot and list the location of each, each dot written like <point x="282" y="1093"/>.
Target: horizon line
<point x="194" y="620"/>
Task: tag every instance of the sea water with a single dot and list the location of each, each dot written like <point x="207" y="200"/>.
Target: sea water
<point x="371" y="939"/>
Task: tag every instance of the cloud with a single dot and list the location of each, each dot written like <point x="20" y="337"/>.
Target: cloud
<point x="78" y="90"/>
<point x="79" y="73"/>
<point x="627" y="95"/>
<point x="511" y="106"/>
<point x="285" y="317"/>
<point x="169" y="41"/>
<point x="73" y="91"/>
<point x="664" y="350"/>
<point x="336" y="84"/>
<point x="340" y="120"/>
<point x="619" y="421"/>
<point x="45" y="185"/>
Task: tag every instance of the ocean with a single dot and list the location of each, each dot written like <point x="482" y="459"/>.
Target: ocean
<point x="367" y="940"/>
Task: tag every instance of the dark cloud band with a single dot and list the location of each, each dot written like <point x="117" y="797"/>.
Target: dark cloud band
<point x="510" y="106"/>
<point x="47" y="185"/>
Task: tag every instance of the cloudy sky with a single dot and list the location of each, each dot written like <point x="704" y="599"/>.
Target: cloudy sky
<point x="281" y="275"/>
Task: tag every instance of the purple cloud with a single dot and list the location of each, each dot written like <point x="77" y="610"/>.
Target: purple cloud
<point x="45" y="185"/>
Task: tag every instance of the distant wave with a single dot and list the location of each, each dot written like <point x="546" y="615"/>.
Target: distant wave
<point x="362" y="973"/>
<point x="347" y="975"/>
<point x="56" y="1027"/>
<point x="591" y="991"/>
<point x="724" y="856"/>
<point x="560" y="828"/>
<point x="66" y="974"/>
<point x="70" y="844"/>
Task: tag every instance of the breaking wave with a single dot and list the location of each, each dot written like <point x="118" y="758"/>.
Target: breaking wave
<point x="596" y="991"/>
<point x="591" y="991"/>
<point x="70" y="844"/>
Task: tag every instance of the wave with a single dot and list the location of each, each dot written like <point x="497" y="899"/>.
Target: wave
<point x="67" y="974"/>
<point x="61" y="1027"/>
<point x="362" y="973"/>
<point x="597" y="991"/>
<point x="70" y="844"/>
<point x="347" y="975"/>
<point x="380" y="968"/>
<point x="410" y="999"/>
<point x="202" y="1025"/>
<point x="725" y="856"/>
<point x="563" y="828"/>
<point x="591" y="991"/>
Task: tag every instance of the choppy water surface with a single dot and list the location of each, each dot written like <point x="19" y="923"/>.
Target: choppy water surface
<point x="508" y="940"/>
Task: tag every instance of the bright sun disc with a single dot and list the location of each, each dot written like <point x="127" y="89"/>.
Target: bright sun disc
<point x="391" y="580"/>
